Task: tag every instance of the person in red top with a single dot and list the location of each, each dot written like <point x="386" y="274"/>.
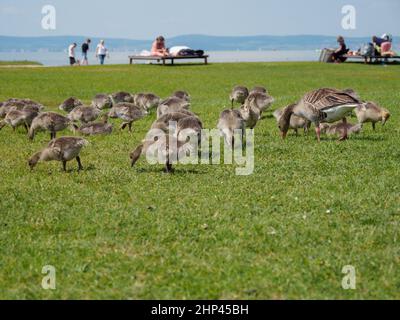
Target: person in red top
<point x="158" y="48"/>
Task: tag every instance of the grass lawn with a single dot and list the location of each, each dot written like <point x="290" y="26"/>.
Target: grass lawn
<point x="286" y="231"/>
<point x="19" y="63"/>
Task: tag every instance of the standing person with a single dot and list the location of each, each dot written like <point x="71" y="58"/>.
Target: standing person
<point x="158" y="48"/>
<point x="338" y="55"/>
<point x="101" y="51"/>
<point x="85" y="49"/>
<point x="71" y="54"/>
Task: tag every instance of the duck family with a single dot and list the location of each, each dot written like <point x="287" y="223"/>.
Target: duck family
<point x="325" y="108"/>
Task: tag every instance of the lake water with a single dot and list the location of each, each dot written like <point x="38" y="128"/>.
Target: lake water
<point x="61" y="58"/>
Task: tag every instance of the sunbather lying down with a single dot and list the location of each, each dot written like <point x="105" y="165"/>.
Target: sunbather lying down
<point x="182" y="51"/>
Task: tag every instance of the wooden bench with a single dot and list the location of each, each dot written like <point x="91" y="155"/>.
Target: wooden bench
<point x="379" y="58"/>
<point x="164" y="59"/>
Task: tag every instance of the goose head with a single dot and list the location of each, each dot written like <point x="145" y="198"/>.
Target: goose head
<point x="284" y="120"/>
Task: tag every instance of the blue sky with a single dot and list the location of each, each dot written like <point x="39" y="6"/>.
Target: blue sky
<point x="143" y="19"/>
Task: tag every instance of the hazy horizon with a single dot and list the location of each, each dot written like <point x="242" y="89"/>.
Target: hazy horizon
<point x="127" y="19"/>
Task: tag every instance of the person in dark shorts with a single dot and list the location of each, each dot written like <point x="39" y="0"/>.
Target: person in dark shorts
<point x="71" y="54"/>
<point x="338" y="55"/>
<point x="85" y="49"/>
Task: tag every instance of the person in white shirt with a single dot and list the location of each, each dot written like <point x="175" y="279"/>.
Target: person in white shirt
<point x="101" y="51"/>
<point x="71" y="54"/>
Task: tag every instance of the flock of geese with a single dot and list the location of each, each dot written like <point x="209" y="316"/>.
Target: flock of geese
<point x="320" y="107"/>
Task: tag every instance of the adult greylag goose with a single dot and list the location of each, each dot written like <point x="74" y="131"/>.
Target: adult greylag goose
<point x="62" y="149"/>
<point x="239" y="94"/>
<point x="318" y="106"/>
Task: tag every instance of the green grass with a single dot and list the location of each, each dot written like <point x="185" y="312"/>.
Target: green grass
<point x="20" y="63"/>
<point x="284" y="232"/>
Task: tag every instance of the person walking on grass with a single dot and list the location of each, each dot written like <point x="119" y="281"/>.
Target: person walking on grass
<point x="101" y="51"/>
<point x="85" y="49"/>
<point x="71" y="54"/>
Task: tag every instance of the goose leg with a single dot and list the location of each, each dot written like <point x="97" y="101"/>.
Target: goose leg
<point x="318" y="132"/>
<point x="344" y="136"/>
<point x="79" y="163"/>
<point x="373" y="126"/>
<point x="123" y="126"/>
<point x="130" y="126"/>
<point x="26" y="127"/>
<point x="168" y="167"/>
<point x="64" y="163"/>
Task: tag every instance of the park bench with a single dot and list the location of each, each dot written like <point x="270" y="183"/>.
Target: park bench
<point x="167" y="58"/>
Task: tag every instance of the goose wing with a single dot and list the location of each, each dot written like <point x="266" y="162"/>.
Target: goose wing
<point x="327" y="98"/>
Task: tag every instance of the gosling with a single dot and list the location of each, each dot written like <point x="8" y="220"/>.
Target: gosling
<point x="95" y="128"/>
<point x="24" y="117"/>
<point x="260" y="101"/>
<point x="48" y="121"/>
<point x="69" y="104"/>
<point x="258" y="89"/>
<point x="84" y="114"/>
<point x="250" y="115"/>
<point x="229" y="122"/>
<point x="147" y="101"/>
<point x="128" y="112"/>
<point x="165" y="146"/>
<point x="182" y="95"/>
<point x="102" y="101"/>
<point x="121" y="96"/>
<point x="172" y="104"/>
<point x="371" y="112"/>
<point x="239" y="94"/>
<point x="296" y="122"/>
<point x="338" y="129"/>
<point x="62" y="149"/>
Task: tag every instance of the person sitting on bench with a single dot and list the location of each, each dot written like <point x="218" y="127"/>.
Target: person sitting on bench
<point x="338" y="55"/>
<point x="158" y="48"/>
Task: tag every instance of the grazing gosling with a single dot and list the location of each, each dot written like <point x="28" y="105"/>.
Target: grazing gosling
<point x="69" y="104"/>
<point x="24" y="117"/>
<point x="102" y="101"/>
<point x="229" y="121"/>
<point x="18" y="104"/>
<point x="48" y="121"/>
<point x="121" y="96"/>
<point x="182" y="95"/>
<point x="146" y="101"/>
<point x="128" y="112"/>
<point x="172" y="104"/>
<point x="84" y="114"/>
<point x="338" y="129"/>
<point x="371" y="112"/>
<point x="296" y="122"/>
<point x="62" y="149"/>
<point x="239" y="94"/>
<point x="162" y="144"/>
<point x="95" y="128"/>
